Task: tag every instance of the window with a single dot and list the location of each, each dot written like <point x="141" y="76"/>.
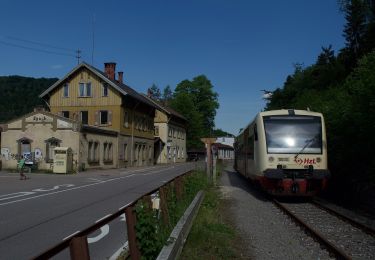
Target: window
<point x="24" y="147"/>
<point x="156" y="132"/>
<point x="107" y="152"/>
<point x="85" y="89"/>
<point x="105" y="90"/>
<point x="170" y="132"/>
<point x="149" y="152"/>
<point x="293" y="134"/>
<point x="96" y="152"/>
<point x="126" y="119"/>
<point x="66" y="90"/>
<point x="51" y="143"/>
<point x="65" y="114"/>
<point x="103" y="117"/>
<point x="93" y="152"/>
<point x="125" y="152"/>
<point x="84" y="117"/>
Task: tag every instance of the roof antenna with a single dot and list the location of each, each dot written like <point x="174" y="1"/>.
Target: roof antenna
<point x="93" y="39"/>
<point x="78" y="55"/>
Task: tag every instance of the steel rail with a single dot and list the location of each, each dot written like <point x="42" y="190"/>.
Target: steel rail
<point x="316" y="234"/>
<point x="351" y="221"/>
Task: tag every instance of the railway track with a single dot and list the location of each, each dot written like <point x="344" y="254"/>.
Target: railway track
<point x="343" y="237"/>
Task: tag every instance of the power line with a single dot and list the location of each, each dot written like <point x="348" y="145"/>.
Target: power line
<point x="35" y="49"/>
<point x="39" y="43"/>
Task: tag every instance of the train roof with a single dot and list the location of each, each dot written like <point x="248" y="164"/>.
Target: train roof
<point x="282" y="112"/>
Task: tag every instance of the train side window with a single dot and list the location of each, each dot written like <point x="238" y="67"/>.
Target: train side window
<point x="255" y="133"/>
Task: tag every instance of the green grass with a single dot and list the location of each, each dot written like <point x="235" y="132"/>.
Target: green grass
<point x="210" y="237"/>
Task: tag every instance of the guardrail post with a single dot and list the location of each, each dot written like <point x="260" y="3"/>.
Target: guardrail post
<point x="79" y="248"/>
<point x="135" y="254"/>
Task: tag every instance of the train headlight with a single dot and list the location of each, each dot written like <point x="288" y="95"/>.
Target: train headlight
<point x="318" y="160"/>
<point x="271" y="159"/>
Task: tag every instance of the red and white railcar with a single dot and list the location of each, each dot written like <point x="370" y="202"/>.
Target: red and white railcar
<point x="285" y="151"/>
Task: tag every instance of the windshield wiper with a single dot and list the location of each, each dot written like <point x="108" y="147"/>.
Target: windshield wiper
<point x="308" y="142"/>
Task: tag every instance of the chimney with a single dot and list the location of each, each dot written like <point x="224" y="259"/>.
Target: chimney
<point x="120" y="76"/>
<point x="110" y="70"/>
<point x="39" y="109"/>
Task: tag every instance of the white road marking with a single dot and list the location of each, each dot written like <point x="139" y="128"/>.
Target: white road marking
<point x="104" y="230"/>
<point x="71" y="235"/>
<point x="94" y="180"/>
<point x="15" y="195"/>
<point x="74" y="188"/>
<point x="102" y="218"/>
<point x="55" y="187"/>
<point x="119" y="251"/>
<point x="123" y="207"/>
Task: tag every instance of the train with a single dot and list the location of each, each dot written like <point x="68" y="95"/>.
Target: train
<point x="285" y="151"/>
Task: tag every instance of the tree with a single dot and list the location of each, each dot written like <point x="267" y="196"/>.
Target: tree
<point x="167" y="95"/>
<point x="14" y="102"/>
<point x="205" y="99"/>
<point x="354" y="30"/>
<point x="184" y="104"/>
<point x="221" y="133"/>
<point x="327" y="56"/>
<point x="154" y="92"/>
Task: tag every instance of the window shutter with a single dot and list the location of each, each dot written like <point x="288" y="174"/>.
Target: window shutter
<point x="97" y="118"/>
<point x="109" y="117"/>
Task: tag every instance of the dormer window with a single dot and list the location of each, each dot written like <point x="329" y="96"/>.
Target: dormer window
<point x="85" y="89"/>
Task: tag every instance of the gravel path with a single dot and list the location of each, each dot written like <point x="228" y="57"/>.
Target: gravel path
<point x="265" y="232"/>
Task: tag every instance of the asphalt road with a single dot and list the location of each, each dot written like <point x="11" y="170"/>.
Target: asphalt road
<point x="38" y="213"/>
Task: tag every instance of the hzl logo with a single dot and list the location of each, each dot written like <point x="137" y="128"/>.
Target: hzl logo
<point x="305" y="161"/>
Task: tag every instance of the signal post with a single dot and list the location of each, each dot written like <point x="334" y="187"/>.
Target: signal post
<point x="210" y="164"/>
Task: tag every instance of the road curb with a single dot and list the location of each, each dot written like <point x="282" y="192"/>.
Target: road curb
<point x="178" y="236"/>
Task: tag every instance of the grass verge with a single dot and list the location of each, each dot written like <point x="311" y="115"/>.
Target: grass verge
<point x="211" y="237"/>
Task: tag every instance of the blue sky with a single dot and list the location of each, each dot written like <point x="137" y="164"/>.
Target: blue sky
<point x="242" y="46"/>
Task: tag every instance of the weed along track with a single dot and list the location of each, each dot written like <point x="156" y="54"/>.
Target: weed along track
<point x="339" y="235"/>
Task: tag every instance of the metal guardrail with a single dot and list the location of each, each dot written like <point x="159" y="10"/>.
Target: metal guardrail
<point x="77" y="242"/>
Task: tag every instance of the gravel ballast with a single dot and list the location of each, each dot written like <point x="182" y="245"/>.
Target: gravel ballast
<point x="265" y="232"/>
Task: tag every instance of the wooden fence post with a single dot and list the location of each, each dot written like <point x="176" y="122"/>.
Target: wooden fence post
<point x="131" y="220"/>
<point x="79" y="248"/>
<point x="163" y="205"/>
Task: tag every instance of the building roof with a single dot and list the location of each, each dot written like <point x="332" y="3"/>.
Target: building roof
<point x="165" y="109"/>
<point x="223" y="146"/>
<point x="120" y="87"/>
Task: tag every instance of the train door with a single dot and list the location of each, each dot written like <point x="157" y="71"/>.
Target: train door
<point x="245" y="151"/>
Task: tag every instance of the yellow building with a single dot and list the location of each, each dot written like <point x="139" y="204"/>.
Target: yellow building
<point x="170" y="134"/>
<point x="35" y="135"/>
<point x="96" y="98"/>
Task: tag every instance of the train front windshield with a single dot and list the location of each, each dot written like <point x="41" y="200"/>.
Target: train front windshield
<point x="293" y="134"/>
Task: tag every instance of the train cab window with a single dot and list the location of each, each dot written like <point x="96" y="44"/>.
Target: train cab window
<point x="255" y="133"/>
<point x="293" y="134"/>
